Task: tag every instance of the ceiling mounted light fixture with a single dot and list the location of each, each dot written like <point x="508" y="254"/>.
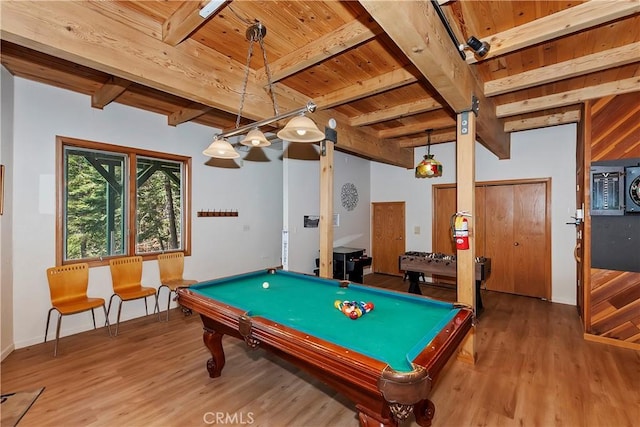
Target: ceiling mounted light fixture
<point x="429" y="167"/>
<point x="299" y="129"/>
<point x="479" y="48"/>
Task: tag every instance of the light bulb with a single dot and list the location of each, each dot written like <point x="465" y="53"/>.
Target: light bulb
<point x="255" y="142"/>
<point x="301" y="132"/>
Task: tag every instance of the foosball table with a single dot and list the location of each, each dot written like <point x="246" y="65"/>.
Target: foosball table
<point x="417" y="264"/>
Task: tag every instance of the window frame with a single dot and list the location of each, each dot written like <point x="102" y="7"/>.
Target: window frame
<point x="131" y="198"/>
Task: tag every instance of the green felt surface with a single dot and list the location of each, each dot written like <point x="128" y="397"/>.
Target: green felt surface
<point x="397" y="329"/>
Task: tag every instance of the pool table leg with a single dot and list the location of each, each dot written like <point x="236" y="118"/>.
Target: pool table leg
<point x="370" y="418"/>
<point x="424" y="411"/>
<point x="213" y="340"/>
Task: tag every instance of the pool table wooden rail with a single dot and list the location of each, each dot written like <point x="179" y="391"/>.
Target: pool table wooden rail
<point x="381" y="394"/>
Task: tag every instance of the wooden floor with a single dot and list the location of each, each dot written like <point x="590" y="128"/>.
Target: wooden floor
<point x="533" y="369"/>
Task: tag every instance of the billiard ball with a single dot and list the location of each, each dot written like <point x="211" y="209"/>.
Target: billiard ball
<point x="265" y="285"/>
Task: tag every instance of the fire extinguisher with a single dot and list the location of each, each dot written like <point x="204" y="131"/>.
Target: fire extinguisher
<point x="460" y="230"/>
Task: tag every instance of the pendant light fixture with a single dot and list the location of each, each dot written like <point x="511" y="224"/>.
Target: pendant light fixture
<point x="299" y="129"/>
<point x="221" y="149"/>
<point x="429" y="167"/>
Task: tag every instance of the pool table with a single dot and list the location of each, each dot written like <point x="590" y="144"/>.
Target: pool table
<point x="384" y="361"/>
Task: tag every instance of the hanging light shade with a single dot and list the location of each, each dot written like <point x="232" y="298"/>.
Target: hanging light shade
<point x="221" y="149"/>
<point x="255" y="138"/>
<point x="301" y="129"/>
<point x="429" y="167"/>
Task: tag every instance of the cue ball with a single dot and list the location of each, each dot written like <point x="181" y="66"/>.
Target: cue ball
<point x="265" y="285"/>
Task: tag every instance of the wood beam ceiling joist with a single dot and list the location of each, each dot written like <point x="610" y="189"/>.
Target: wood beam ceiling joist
<point x="373" y="86"/>
<point x="79" y="33"/>
<point x="396" y="112"/>
<point x="559" y="24"/>
<point x="438" y="136"/>
<point x="344" y="38"/>
<point x="569" y="116"/>
<point x="185" y="20"/>
<point x="438" y="121"/>
<point x="569" y="97"/>
<point x="416" y="29"/>
<point x="611" y="58"/>
<point x="109" y="92"/>
<point x="188" y="113"/>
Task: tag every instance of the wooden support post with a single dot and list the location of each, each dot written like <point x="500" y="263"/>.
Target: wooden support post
<point x="326" y="209"/>
<point x="466" y="184"/>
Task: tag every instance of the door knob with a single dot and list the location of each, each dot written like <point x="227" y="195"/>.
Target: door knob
<point x="516" y="244"/>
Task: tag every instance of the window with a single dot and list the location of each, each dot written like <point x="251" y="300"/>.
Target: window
<point x="120" y="201"/>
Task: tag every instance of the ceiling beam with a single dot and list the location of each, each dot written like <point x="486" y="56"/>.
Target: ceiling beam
<point x="185" y="20"/>
<point x="416" y="29"/>
<point x="80" y="34"/>
<point x="611" y="58"/>
<point x="187" y="114"/>
<point x="438" y="136"/>
<point x="395" y="112"/>
<point x="109" y="92"/>
<point x="373" y="86"/>
<point x="347" y="36"/>
<point x="571" y="116"/>
<point x="570" y="97"/>
<point x="559" y="24"/>
<point x="439" y="121"/>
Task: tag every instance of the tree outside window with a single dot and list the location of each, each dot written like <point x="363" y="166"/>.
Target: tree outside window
<point x="120" y="201"/>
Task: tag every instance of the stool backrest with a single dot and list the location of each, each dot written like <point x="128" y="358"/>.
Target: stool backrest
<point x="126" y="273"/>
<point x="171" y="266"/>
<point x="68" y="282"/>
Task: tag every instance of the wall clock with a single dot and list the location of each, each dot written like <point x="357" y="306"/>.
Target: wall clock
<point x="349" y="196"/>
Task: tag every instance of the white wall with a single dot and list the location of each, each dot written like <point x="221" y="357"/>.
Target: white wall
<point x="302" y="197"/>
<point x="220" y="246"/>
<point x="540" y="153"/>
<point x="6" y="220"/>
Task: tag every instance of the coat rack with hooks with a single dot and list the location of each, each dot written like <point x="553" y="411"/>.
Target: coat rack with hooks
<point x="217" y="213"/>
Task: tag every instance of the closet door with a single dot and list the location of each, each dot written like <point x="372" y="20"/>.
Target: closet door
<point x="444" y="205"/>
<point x="517" y="230"/>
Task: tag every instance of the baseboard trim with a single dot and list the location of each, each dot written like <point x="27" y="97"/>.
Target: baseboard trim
<point x="611" y="341"/>
<point x="7" y="351"/>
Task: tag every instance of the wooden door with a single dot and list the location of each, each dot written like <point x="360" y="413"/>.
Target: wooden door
<point x="388" y="233"/>
<point x="511" y="226"/>
<point x="444" y="206"/>
<point x="518" y="238"/>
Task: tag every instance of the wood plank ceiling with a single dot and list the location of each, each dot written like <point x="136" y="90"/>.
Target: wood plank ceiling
<point x="386" y="71"/>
